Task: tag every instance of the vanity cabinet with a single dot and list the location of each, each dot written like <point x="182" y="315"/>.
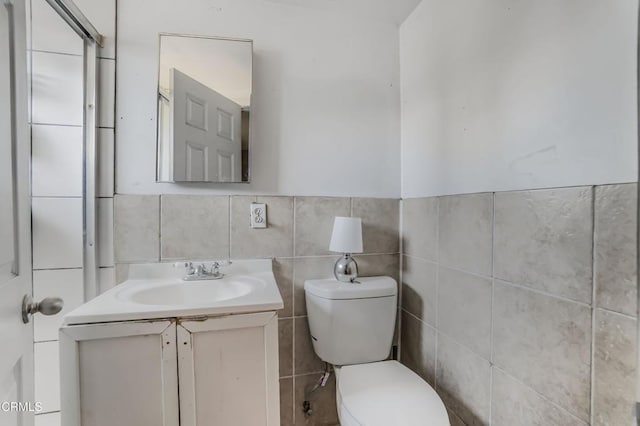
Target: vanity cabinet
<point x="220" y="370"/>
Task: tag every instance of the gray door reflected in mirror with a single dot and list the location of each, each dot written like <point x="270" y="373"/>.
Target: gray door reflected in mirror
<point x="204" y="108"/>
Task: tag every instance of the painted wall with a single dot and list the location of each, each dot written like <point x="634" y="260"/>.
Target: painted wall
<point x="326" y="94"/>
<point x="508" y="95"/>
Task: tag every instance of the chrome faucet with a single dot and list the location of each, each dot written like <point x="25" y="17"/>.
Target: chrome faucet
<point x="201" y="272"/>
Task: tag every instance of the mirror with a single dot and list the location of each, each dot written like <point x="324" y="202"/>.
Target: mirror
<point x="204" y="104"/>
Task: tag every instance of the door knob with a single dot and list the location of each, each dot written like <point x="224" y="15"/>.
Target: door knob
<point x="47" y="306"/>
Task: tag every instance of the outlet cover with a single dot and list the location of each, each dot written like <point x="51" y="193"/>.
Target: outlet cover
<point x="258" y="215"/>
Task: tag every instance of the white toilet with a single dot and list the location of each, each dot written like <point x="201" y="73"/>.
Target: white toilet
<point x="352" y="328"/>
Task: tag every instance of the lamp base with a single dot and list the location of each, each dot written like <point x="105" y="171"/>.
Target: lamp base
<point x="346" y="269"/>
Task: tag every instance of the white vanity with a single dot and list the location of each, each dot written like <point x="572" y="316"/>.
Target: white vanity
<point x="158" y="350"/>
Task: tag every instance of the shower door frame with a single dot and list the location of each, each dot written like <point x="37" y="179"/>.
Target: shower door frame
<point x="92" y="40"/>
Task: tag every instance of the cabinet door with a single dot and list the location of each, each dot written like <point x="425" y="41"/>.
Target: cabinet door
<point x="121" y="374"/>
<point x="228" y="371"/>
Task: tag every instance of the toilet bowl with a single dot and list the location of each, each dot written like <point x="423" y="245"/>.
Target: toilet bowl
<point x="352" y="327"/>
<point x="386" y="393"/>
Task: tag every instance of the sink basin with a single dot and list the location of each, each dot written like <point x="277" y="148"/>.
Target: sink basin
<point x="156" y="290"/>
<point x="191" y="293"/>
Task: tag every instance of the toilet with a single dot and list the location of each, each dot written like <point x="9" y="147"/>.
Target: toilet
<point x="352" y="327"/>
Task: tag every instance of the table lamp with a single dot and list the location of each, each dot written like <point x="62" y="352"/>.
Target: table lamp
<point x="346" y="238"/>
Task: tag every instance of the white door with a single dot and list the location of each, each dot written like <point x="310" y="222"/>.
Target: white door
<point x="228" y="370"/>
<point x="206" y="132"/>
<point x="16" y="354"/>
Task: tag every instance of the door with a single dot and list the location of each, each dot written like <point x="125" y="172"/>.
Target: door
<point x="16" y="355"/>
<point x="228" y="370"/>
<point x="206" y="132"/>
<point x="126" y="372"/>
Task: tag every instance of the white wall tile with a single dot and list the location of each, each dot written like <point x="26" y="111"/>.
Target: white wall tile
<point x="56" y="161"/>
<point x="615" y="241"/>
<point x="47" y="375"/>
<point x="544" y="240"/>
<point x="107" y="89"/>
<point x="105" y="232"/>
<point x="57" y="89"/>
<point x="463" y="381"/>
<point x="29" y="88"/>
<point x="106" y="279"/>
<point x="106" y="156"/>
<point x="49" y="419"/>
<point x="464" y="309"/>
<point x="102" y="15"/>
<point x="544" y="342"/>
<point x="57" y="232"/>
<point x="50" y="33"/>
<point x="64" y="283"/>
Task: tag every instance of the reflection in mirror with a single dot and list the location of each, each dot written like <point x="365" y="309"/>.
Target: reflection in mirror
<point x="204" y="102"/>
<point x="7" y="111"/>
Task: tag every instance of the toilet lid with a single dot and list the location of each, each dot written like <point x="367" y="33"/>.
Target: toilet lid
<point x="388" y="393"/>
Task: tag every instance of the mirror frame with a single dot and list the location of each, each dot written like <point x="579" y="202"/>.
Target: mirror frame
<point x="251" y="121"/>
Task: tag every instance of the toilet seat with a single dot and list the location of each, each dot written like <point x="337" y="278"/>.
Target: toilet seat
<point x="386" y="393"/>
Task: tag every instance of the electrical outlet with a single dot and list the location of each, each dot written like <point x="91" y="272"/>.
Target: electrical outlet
<point x="258" y="215"/>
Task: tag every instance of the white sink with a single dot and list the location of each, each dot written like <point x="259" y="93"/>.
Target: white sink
<point x="191" y="292"/>
<point x="156" y="290"/>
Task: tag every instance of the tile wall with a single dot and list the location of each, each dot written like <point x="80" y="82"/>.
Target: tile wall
<point x="151" y="228"/>
<point x="520" y="307"/>
<point x="56" y="108"/>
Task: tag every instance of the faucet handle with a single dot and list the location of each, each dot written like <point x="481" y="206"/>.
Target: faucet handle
<point x="188" y="267"/>
<point x="215" y="266"/>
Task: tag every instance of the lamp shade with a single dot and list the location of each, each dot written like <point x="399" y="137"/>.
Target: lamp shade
<point x="347" y="235"/>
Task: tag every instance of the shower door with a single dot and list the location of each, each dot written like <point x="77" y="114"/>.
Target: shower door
<point x="17" y="405"/>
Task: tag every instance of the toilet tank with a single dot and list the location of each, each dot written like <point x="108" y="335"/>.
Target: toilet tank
<point x="352" y="323"/>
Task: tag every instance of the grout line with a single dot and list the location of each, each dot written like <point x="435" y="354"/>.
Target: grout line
<point x="542" y="292"/>
<point x="229" y="209"/>
<point x="77" y="126"/>
<point x="541" y="396"/>
<point x="53" y="52"/>
<point x="421" y="320"/>
<point x="42" y="413"/>
<point x="57" y="197"/>
<point x="72" y="268"/>
<point x="159" y="227"/>
<point x="35" y="342"/>
<point x="449" y="337"/>
<point x="490" y="392"/>
<point x="412" y="256"/>
<point x="491" y="313"/>
<point x="288" y="376"/>
<point x="437" y="263"/>
<point x="293" y="219"/>
<point x="593" y="308"/>
<point x="400" y="279"/>
<point x="464" y="346"/>
<point x="620" y="314"/>
<point x="293" y="397"/>
<point x="293" y="311"/>
<point x="73" y="126"/>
